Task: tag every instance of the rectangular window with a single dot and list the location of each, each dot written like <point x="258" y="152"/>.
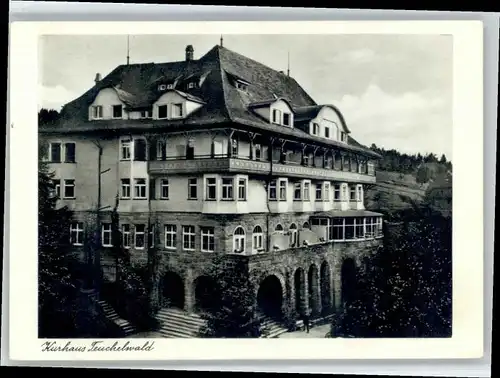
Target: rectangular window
<point x="315" y="129"/>
<point x="306" y="191"/>
<point x="360" y="194"/>
<point x="188" y="237"/>
<point x="161" y="150"/>
<point x="145" y="114"/>
<point x="76" y="233"/>
<point x="125" y="149"/>
<point x="349" y="231"/>
<point x="352" y="193"/>
<point x="211" y="189"/>
<point x="177" y="110"/>
<point x="126" y="235"/>
<point x="234" y="147"/>
<point x="319" y="192"/>
<point x="125" y="188"/>
<point x="140" y="149"/>
<point x="286" y="119"/>
<point x="338" y="228"/>
<point x="272" y="190"/>
<point x="360" y="228"/>
<point x="192" y="188"/>
<point x="336" y="193"/>
<point x="257" y="152"/>
<point x="97" y="112"/>
<point x="140" y="188"/>
<point x="117" y="111"/>
<point x="207" y="239"/>
<point x="69" y="152"/>
<point x="162" y="111"/>
<point x="227" y="188"/>
<point x="297" y="191"/>
<point x="242" y="189"/>
<point x="107" y="240"/>
<point x="327" y="132"/>
<point x="283" y="190"/>
<point x="164" y="188"/>
<point x="55" y="152"/>
<point x="69" y="188"/>
<point x="170" y="236"/>
<point x="139" y="235"/>
<point x="276" y="116"/>
<point x="326" y="192"/>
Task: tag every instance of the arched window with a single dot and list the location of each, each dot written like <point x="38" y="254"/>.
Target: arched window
<point x="239" y="240"/>
<point x="306" y="226"/>
<point x="257" y="237"/>
<point x="278" y="228"/>
<point x="293" y="235"/>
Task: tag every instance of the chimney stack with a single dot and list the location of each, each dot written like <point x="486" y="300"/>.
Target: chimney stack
<point x="189" y="52"/>
<point x="97" y="78"/>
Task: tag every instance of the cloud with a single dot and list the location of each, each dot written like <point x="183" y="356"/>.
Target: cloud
<point x="363" y="55"/>
<point x="54" y="97"/>
<point x="411" y="122"/>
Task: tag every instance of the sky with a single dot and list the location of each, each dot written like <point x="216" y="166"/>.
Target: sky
<point x="393" y="90"/>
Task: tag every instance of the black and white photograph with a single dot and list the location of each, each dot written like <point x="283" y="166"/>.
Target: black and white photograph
<point x="245" y="186"/>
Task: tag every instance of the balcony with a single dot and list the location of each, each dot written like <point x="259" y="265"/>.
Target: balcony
<point x="239" y="165"/>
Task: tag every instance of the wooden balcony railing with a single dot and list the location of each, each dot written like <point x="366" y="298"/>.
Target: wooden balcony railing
<point x="238" y="165"/>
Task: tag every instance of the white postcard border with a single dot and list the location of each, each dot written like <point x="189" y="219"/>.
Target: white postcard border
<point x="467" y="340"/>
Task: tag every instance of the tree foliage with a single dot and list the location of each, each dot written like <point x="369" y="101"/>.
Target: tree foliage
<point x="232" y="312"/>
<point x="47" y="116"/>
<point x="406" y="289"/>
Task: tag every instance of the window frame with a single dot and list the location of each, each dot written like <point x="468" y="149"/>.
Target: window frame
<point x="227" y="190"/>
<point x="105" y="231"/>
<point x="113" y="107"/>
<point x="162" y="106"/>
<point x="162" y="187"/>
<point x="140" y="185"/>
<point x="240" y="239"/>
<point x="124" y="185"/>
<point x="259" y="236"/>
<point x="190" y="185"/>
<point x="170" y="229"/>
<point x="126" y="235"/>
<point x="178" y="106"/>
<point x="191" y="237"/>
<point x="207" y="233"/>
<point x="137" y="232"/>
<point x="242" y="187"/>
<point x="100" y="113"/>
<point x="79" y="233"/>
<point x="126" y="144"/>
<point x="66" y="185"/>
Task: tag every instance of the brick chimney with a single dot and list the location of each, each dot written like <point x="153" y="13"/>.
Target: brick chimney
<point x="189" y="52"/>
<point x="97" y="78"/>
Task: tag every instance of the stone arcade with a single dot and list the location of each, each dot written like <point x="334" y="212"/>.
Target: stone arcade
<point x="218" y="155"/>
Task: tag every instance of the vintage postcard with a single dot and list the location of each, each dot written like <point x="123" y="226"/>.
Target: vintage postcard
<point x="260" y="190"/>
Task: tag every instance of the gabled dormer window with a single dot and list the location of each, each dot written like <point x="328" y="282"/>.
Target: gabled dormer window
<point x="177" y="110"/>
<point x="96" y="112"/>
<point x="241" y="85"/>
<point x="286" y="119"/>
<point x="162" y="87"/>
<point x="117" y="111"/>
<point x="162" y="111"/>
<point x="191" y="85"/>
<point x="276" y="117"/>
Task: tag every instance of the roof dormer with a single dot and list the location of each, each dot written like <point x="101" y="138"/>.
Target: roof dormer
<point x="277" y="111"/>
<point x="109" y="103"/>
<point x="174" y="104"/>
<point x="323" y="121"/>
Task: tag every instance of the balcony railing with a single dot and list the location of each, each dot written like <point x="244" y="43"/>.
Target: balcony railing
<point x="238" y="165"/>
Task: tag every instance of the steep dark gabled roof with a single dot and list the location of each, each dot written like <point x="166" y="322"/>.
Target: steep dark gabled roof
<point x="136" y="86"/>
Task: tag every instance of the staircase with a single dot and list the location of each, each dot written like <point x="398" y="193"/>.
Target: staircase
<point x="176" y="323"/>
<point x="111" y="314"/>
<point x="270" y="328"/>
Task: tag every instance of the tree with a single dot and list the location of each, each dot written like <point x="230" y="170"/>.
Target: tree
<point x="47" y="116"/>
<point x="423" y="175"/>
<point x="57" y="288"/>
<point x="233" y="309"/>
<point x="443" y="159"/>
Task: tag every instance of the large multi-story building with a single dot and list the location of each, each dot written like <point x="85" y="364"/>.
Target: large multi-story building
<point x="220" y="154"/>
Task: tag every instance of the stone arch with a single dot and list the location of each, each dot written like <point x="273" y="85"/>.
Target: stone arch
<point x="313" y="284"/>
<point x="172" y="290"/>
<point x="348" y="279"/>
<point x="271" y="296"/>
<point x="325" y="286"/>
<point x="299" y="280"/>
<point x="205" y="293"/>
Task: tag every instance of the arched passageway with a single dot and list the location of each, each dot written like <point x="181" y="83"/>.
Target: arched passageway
<point x="314" y="300"/>
<point x="300" y="291"/>
<point x="205" y="294"/>
<point x="173" y="290"/>
<point x="270" y="297"/>
<point x="348" y="277"/>
<point x="325" y="287"/>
